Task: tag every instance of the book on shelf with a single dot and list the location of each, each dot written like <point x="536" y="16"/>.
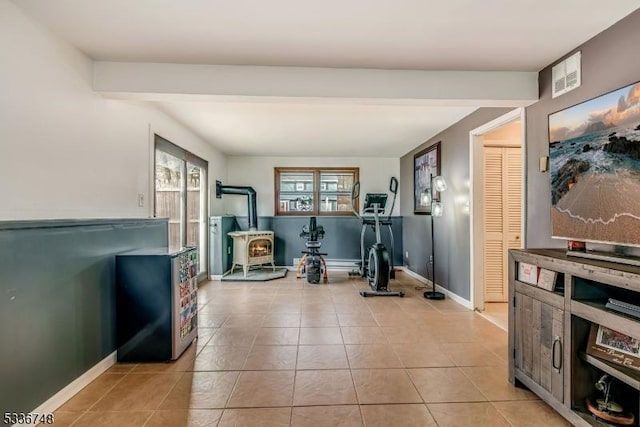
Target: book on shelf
<point x="623" y="307"/>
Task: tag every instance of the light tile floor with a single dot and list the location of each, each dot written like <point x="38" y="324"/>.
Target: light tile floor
<point x="285" y="353"/>
<point x="497" y="313"/>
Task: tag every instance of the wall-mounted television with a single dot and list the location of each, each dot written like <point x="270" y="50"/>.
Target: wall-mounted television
<point x="594" y="158"/>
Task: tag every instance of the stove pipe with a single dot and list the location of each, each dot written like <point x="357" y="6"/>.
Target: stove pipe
<point x="251" y="200"/>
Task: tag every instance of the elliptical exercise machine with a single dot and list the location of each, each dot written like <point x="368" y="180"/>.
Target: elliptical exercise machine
<point x="376" y="262"/>
<point x="312" y="263"/>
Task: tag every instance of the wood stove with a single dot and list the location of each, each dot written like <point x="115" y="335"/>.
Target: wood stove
<point x="252" y="248"/>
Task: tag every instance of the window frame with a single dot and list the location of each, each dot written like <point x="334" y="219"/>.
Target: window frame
<point x="316" y="171"/>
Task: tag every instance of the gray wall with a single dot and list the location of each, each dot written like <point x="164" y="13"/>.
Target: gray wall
<point x="341" y="240"/>
<point x="452" y="229"/>
<point x="609" y="61"/>
<point x="57" y="301"/>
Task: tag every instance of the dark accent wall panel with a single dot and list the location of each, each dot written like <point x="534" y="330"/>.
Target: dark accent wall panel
<point x="341" y="240"/>
<point x="57" y="300"/>
<point x="609" y="62"/>
<point x="452" y="230"/>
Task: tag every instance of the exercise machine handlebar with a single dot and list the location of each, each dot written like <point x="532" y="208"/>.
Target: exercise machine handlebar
<point x="393" y="187"/>
<point x="355" y="195"/>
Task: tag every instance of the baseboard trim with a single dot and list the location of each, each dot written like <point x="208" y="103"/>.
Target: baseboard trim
<point x="489" y="319"/>
<point x="454" y="297"/>
<point x="61" y="397"/>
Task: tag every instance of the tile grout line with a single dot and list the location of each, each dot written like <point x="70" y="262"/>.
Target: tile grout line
<point x="226" y="403"/>
<point x="166" y="395"/>
<point x="378" y="317"/>
<point x="353" y="383"/>
<point x="101" y="397"/>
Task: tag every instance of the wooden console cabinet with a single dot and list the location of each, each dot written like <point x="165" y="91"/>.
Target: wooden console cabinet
<point x="549" y="327"/>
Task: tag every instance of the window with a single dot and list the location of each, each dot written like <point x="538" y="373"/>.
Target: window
<point x="314" y="191"/>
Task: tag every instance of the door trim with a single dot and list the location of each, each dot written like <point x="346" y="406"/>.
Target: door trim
<point x="476" y="236"/>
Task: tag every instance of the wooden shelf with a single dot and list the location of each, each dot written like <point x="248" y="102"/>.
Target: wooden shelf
<point x="618" y="275"/>
<point x="589" y="418"/>
<point x="626" y="375"/>
<point x="597" y="313"/>
<point x="553" y="298"/>
<point x="558" y="292"/>
<point x="546" y="326"/>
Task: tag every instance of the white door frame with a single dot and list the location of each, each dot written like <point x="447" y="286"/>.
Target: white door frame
<point x="476" y="233"/>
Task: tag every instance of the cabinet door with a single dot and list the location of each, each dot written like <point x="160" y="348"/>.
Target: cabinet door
<point x="538" y="343"/>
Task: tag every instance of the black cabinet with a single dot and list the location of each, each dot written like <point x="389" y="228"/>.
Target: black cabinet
<point x="156" y="303"/>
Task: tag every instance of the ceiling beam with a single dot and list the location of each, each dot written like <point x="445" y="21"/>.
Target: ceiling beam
<point x="154" y="81"/>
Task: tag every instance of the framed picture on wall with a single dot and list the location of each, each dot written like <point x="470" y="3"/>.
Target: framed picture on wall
<point x="426" y="164"/>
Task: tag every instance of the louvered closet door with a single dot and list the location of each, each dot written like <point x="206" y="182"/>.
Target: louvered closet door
<point x="494" y="266"/>
<point x="502" y="206"/>
<point x="513" y="202"/>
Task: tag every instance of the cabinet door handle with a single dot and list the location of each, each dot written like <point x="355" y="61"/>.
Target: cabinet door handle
<point x="557" y="341"/>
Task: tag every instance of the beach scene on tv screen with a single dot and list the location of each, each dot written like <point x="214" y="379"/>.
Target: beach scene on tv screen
<point x="594" y="157"/>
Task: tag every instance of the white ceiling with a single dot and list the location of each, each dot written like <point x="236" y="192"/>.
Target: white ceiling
<point x="399" y="34"/>
<point x="328" y="130"/>
<point x="495" y="35"/>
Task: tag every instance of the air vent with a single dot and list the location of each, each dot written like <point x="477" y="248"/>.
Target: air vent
<point x="566" y="75"/>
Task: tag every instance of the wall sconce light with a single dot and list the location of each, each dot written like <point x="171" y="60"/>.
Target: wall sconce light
<point x="544" y="163"/>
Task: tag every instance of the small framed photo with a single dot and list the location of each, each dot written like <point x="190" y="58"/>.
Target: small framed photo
<point x="547" y="279"/>
<point x="299" y="186"/>
<point x="614" y="346"/>
<point x="528" y="273"/>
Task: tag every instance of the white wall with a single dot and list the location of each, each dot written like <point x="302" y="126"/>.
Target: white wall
<point x="258" y="172"/>
<point x="66" y="152"/>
